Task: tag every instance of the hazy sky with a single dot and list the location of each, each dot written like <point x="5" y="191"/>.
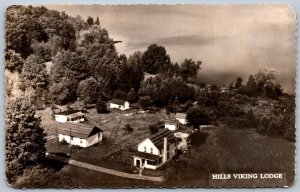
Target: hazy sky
<point x="231" y="41"/>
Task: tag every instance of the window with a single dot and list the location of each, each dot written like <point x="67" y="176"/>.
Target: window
<point x="168" y="156"/>
<point x="167" y="147"/>
<point x="151" y="162"/>
<point x="145" y="149"/>
<point x="151" y="150"/>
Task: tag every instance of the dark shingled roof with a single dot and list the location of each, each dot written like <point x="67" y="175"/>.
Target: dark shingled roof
<point x="180" y="115"/>
<point x="117" y="101"/>
<point x="171" y="122"/>
<point x="158" y="138"/>
<point x="146" y="155"/>
<point x="67" y="112"/>
<point x="79" y="130"/>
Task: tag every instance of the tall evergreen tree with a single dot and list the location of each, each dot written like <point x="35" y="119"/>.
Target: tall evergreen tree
<point x="251" y="86"/>
<point x="97" y="21"/>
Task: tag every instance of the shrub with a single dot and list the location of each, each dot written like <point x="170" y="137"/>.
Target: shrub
<point x="128" y="128"/>
<point x="196" y="117"/>
<point x="153" y="128"/>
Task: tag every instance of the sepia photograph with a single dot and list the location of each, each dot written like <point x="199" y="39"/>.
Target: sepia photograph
<point x="150" y="96"/>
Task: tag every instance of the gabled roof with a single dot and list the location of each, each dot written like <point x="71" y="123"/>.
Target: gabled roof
<point x="158" y="138"/>
<point x="69" y="112"/>
<point x="180" y="115"/>
<point x="79" y="130"/>
<point x="117" y="101"/>
<point x="146" y="155"/>
<point x="74" y="115"/>
<point x="172" y="122"/>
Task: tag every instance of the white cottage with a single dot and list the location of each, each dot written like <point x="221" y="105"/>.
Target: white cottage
<point x="79" y="134"/>
<point x="74" y="116"/>
<point x="171" y="125"/>
<point x="155" y="150"/>
<point x="181" y="117"/>
<point x="119" y="104"/>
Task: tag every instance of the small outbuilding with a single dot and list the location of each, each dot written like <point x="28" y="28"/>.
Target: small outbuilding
<point x="171" y="125"/>
<point x="74" y="116"/>
<point x="119" y="104"/>
<point x="79" y="134"/>
<point x="181" y="117"/>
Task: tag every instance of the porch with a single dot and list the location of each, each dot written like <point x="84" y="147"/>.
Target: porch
<point x="147" y="160"/>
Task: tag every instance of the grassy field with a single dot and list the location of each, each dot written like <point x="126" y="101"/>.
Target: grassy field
<point x="223" y="150"/>
<point x="228" y="150"/>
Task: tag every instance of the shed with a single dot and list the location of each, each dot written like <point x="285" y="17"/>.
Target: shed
<point x="74" y="116"/>
<point x="181" y="117"/>
<point x="171" y="125"/>
<point x="119" y="104"/>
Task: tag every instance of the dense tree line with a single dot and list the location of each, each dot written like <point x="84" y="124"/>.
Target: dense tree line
<point x="263" y="83"/>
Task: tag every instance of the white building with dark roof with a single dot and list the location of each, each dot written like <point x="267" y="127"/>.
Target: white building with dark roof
<point x="79" y="134"/>
<point x="171" y="125"/>
<point x="74" y="116"/>
<point x="119" y="104"/>
<point x="155" y="150"/>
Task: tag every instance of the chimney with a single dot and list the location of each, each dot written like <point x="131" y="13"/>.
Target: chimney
<point x="165" y="149"/>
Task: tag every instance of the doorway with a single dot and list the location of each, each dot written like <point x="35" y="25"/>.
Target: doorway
<point x="138" y="163"/>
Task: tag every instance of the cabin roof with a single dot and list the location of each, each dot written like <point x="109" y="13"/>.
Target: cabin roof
<point x="118" y="101"/>
<point x="69" y="112"/>
<point x="171" y="122"/>
<point x="180" y="115"/>
<point x="146" y="155"/>
<point x="158" y="138"/>
<point x="79" y="130"/>
<point x="74" y="115"/>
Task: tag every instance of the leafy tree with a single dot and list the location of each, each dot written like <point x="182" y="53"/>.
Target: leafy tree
<point x="69" y="64"/>
<point x="119" y="94"/>
<point x="20" y="32"/>
<point x="27" y="25"/>
<point x="90" y="20"/>
<point x="62" y="92"/>
<point x="131" y="96"/>
<point x="42" y="50"/>
<point x="101" y="106"/>
<point x="25" y="139"/>
<point x="89" y="90"/>
<point x="128" y="128"/>
<point x="78" y="24"/>
<point x="155" y="58"/>
<point x="14" y="62"/>
<point x="189" y="68"/>
<point x="131" y="73"/>
<point x="197" y="117"/>
<point x="154" y="128"/>
<point x="238" y="83"/>
<point x="145" y="102"/>
<point x="214" y="87"/>
<point x="137" y="75"/>
<point x="34" y="73"/>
